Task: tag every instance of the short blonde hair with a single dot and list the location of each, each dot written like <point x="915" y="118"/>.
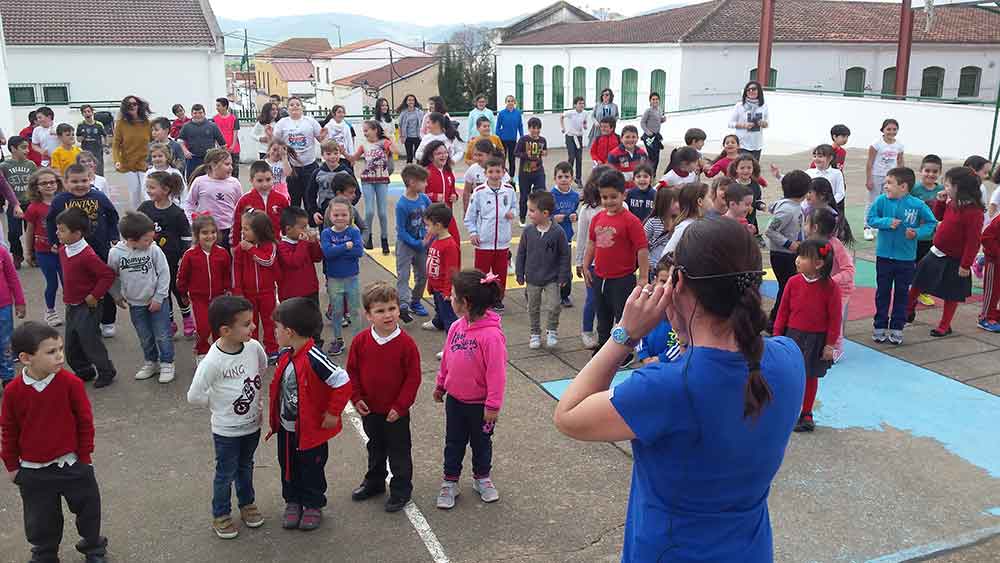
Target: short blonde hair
<point x="330" y="145"/>
<point x="378" y="292"/>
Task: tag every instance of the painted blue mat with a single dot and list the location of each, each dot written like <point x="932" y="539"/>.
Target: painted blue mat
<point x="871" y="390"/>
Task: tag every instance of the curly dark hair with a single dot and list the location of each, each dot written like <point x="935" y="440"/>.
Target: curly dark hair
<point x="143" y="108"/>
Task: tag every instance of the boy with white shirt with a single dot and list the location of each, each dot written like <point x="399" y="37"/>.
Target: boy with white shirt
<point x="228" y="380"/>
<point x="489" y="220"/>
<point x="574" y="126"/>
<point x="44" y="138"/>
<point x="475" y="175"/>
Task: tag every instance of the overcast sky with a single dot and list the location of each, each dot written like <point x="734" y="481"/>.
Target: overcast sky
<point x="446" y="11"/>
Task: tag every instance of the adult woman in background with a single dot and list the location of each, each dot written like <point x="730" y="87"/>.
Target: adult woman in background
<point x="708" y="430"/>
<point x="264" y="128"/>
<point x="302" y="134"/>
<point x="604" y="108"/>
<point x="411" y="116"/>
<point x="130" y="146"/>
<point x="750" y="118"/>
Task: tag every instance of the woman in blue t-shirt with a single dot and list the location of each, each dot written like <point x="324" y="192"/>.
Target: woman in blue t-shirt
<point x="708" y="430"/>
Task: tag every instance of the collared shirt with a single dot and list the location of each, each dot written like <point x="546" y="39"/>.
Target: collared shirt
<point x="383" y="340"/>
<point x="39" y="386"/>
<point x="75" y="248"/>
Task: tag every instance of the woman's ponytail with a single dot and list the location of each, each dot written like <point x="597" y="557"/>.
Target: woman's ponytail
<point x="748" y="321"/>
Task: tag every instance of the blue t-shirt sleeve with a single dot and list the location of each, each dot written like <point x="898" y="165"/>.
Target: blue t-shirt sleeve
<point x="649" y="402"/>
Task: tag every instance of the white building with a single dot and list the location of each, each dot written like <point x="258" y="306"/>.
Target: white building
<point x="701" y="55"/>
<point x="61" y="54"/>
<point x="354" y="59"/>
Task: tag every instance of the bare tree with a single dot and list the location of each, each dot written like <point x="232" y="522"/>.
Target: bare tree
<point x="466" y="67"/>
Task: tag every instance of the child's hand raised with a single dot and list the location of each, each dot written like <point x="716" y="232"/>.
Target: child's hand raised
<point x="362" y="408"/>
<point x="329" y="421"/>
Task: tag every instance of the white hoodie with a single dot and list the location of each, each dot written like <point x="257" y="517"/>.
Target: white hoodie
<point x="232" y="387"/>
<point x="487" y="216"/>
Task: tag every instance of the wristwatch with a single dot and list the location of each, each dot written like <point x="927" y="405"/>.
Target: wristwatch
<point x="619" y="335"/>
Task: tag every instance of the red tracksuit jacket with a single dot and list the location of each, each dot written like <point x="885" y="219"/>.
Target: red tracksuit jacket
<point x="440" y="183"/>
<point x="275" y="204"/>
<point x="298" y="270"/>
<point x="205" y="275"/>
<point x="255" y="271"/>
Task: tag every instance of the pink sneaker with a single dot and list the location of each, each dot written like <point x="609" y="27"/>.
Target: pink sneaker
<point x="189" y="329"/>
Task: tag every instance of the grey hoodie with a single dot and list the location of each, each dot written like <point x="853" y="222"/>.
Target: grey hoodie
<point x="785" y="226"/>
<point x="140" y="275"/>
<point x="543" y="258"/>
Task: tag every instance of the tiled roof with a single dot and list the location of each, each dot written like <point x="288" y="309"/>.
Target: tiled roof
<point x="738" y="21"/>
<point x="295" y="48"/>
<point x="381" y="76"/>
<point x="294" y="71"/>
<point x="330" y="53"/>
<point x="119" y="23"/>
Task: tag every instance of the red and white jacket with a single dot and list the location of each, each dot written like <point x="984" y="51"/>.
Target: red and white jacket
<point x="255" y="271"/>
<point x="205" y="275"/>
<point x="276" y="203"/>
<point x="440" y="185"/>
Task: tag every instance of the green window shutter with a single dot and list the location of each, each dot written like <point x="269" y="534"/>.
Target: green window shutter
<point x="658" y="83"/>
<point x="968" y="82"/>
<point x="538" y="88"/>
<point x="854" y="80"/>
<point x="519" y="85"/>
<point x="603" y="81"/>
<point x="579" y="82"/>
<point x="932" y="82"/>
<point x="888" y="82"/>
<point x="772" y="77"/>
<point x="558" y="88"/>
<point x="630" y="92"/>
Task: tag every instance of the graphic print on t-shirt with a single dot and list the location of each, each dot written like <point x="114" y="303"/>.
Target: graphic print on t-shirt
<point x="251" y="387"/>
<point x="604" y="236"/>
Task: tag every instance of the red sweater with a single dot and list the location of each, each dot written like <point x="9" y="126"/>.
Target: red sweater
<point x="255" y="271"/>
<point x="990" y="239"/>
<point x="205" y="275"/>
<point x="323" y="388"/>
<point x="602" y="146"/>
<point x="298" y="272"/>
<point x="810" y="307"/>
<point x="440" y="185"/>
<point x="84" y="274"/>
<point x="68" y="421"/>
<point x="957" y="233"/>
<point x="384" y="376"/>
<point x="276" y="203"/>
<point x="443" y="259"/>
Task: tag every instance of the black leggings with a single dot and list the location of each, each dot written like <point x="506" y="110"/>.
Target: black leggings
<point x="411" y="144"/>
<point x="508" y="146"/>
<point x="298" y="182"/>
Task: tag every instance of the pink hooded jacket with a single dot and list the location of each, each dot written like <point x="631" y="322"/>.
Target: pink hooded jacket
<point x="474" y="365"/>
<point x="843" y="269"/>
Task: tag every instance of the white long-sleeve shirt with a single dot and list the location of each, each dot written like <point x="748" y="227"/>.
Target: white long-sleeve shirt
<point x="834" y="176"/>
<point x="232" y="387"/>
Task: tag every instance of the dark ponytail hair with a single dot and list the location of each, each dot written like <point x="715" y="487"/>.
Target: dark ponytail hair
<point x="966" y="183"/>
<point x="471" y="287"/>
<point x="724" y="255"/>
<point x="818" y="249"/>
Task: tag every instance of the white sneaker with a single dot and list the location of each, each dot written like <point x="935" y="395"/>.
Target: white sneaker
<point x="52" y="318"/>
<point x="487" y="491"/>
<point x="869" y="234"/>
<point x="108" y="331"/>
<point x="551" y="339"/>
<point x="439" y="355"/>
<point x="429" y="325"/>
<point x="449" y="492"/>
<point x="166" y="373"/>
<point x="589" y="342"/>
<point x="535" y="342"/>
<point x="148" y="369"/>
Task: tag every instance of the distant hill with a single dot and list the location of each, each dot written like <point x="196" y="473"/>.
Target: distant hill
<point x="352" y="28"/>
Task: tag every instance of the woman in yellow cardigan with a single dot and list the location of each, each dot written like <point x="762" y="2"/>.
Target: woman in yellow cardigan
<point x="131" y="146"/>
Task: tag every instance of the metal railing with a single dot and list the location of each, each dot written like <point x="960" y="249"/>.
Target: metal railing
<point x="881" y="96"/>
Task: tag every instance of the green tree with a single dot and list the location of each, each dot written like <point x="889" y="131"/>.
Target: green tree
<point x="466" y="68"/>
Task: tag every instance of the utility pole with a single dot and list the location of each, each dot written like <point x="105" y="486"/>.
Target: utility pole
<point x="340" y="42"/>
<point x="392" y="81"/>
<point x="766" y="41"/>
<point x="903" y="48"/>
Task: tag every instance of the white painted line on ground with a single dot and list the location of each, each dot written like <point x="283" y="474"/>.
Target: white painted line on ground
<point x="416" y="517"/>
<point x="921" y="551"/>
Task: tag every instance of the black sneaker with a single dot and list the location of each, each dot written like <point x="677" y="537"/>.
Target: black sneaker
<point x="405" y="316"/>
<point x="395" y="504"/>
<point x="365" y="492"/>
<point x="103" y="381"/>
<point x="938" y="333"/>
<point x="336" y="347"/>
<point x="346" y="321"/>
<point x="385" y="247"/>
<point x="911" y="316"/>
<point x="805" y="423"/>
<point x="566" y="302"/>
<point x="368" y="243"/>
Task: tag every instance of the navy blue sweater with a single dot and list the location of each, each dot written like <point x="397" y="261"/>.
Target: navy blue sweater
<point x="103" y="218"/>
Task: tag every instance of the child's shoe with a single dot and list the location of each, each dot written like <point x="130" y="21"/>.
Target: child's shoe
<point x="869" y="233"/>
<point x="368" y="243"/>
<point x="925" y="300"/>
<point x="189" y="328"/>
<point x="879" y="335"/>
<point x="418" y="309"/>
<point x="938" y="333"/>
<point x="337" y="347"/>
<point x="989" y="326"/>
<point x="52" y="318"/>
<point x="224" y="527"/>
<point x="148" y="369"/>
<point x="293" y="515"/>
<point x="329" y="313"/>
<point x="108" y="331"/>
<point x="395" y="504"/>
<point x="566" y="302"/>
<point x="805" y="423"/>
<point x="385" y="247"/>
<point x="589" y="342"/>
<point x="429" y="325"/>
<point x="166" y="373"/>
<point x="311" y="519"/>
<point x="405" y="315"/>
<point x="439" y="355"/>
<point x="449" y="492"/>
<point x="366" y="491"/>
<point x="251" y="516"/>
<point x="896" y="337"/>
<point x="551" y="339"/>
<point x="486" y="490"/>
<point x="535" y="342"/>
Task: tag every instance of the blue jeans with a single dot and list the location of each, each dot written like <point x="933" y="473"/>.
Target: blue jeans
<point x="589" y="312"/>
<point x="48" y="263"/>
<point x="445" y="313"/>
<point x="376" y="197"/>
<point x="153" y="330"/>
<point x="233" y="465"/>
<point x="893" y="279"/>
<point x="337" y="289"/>
<point x="6" y="328"/>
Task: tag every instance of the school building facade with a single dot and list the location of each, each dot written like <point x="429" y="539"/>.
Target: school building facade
<point x="701" y="55"/>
